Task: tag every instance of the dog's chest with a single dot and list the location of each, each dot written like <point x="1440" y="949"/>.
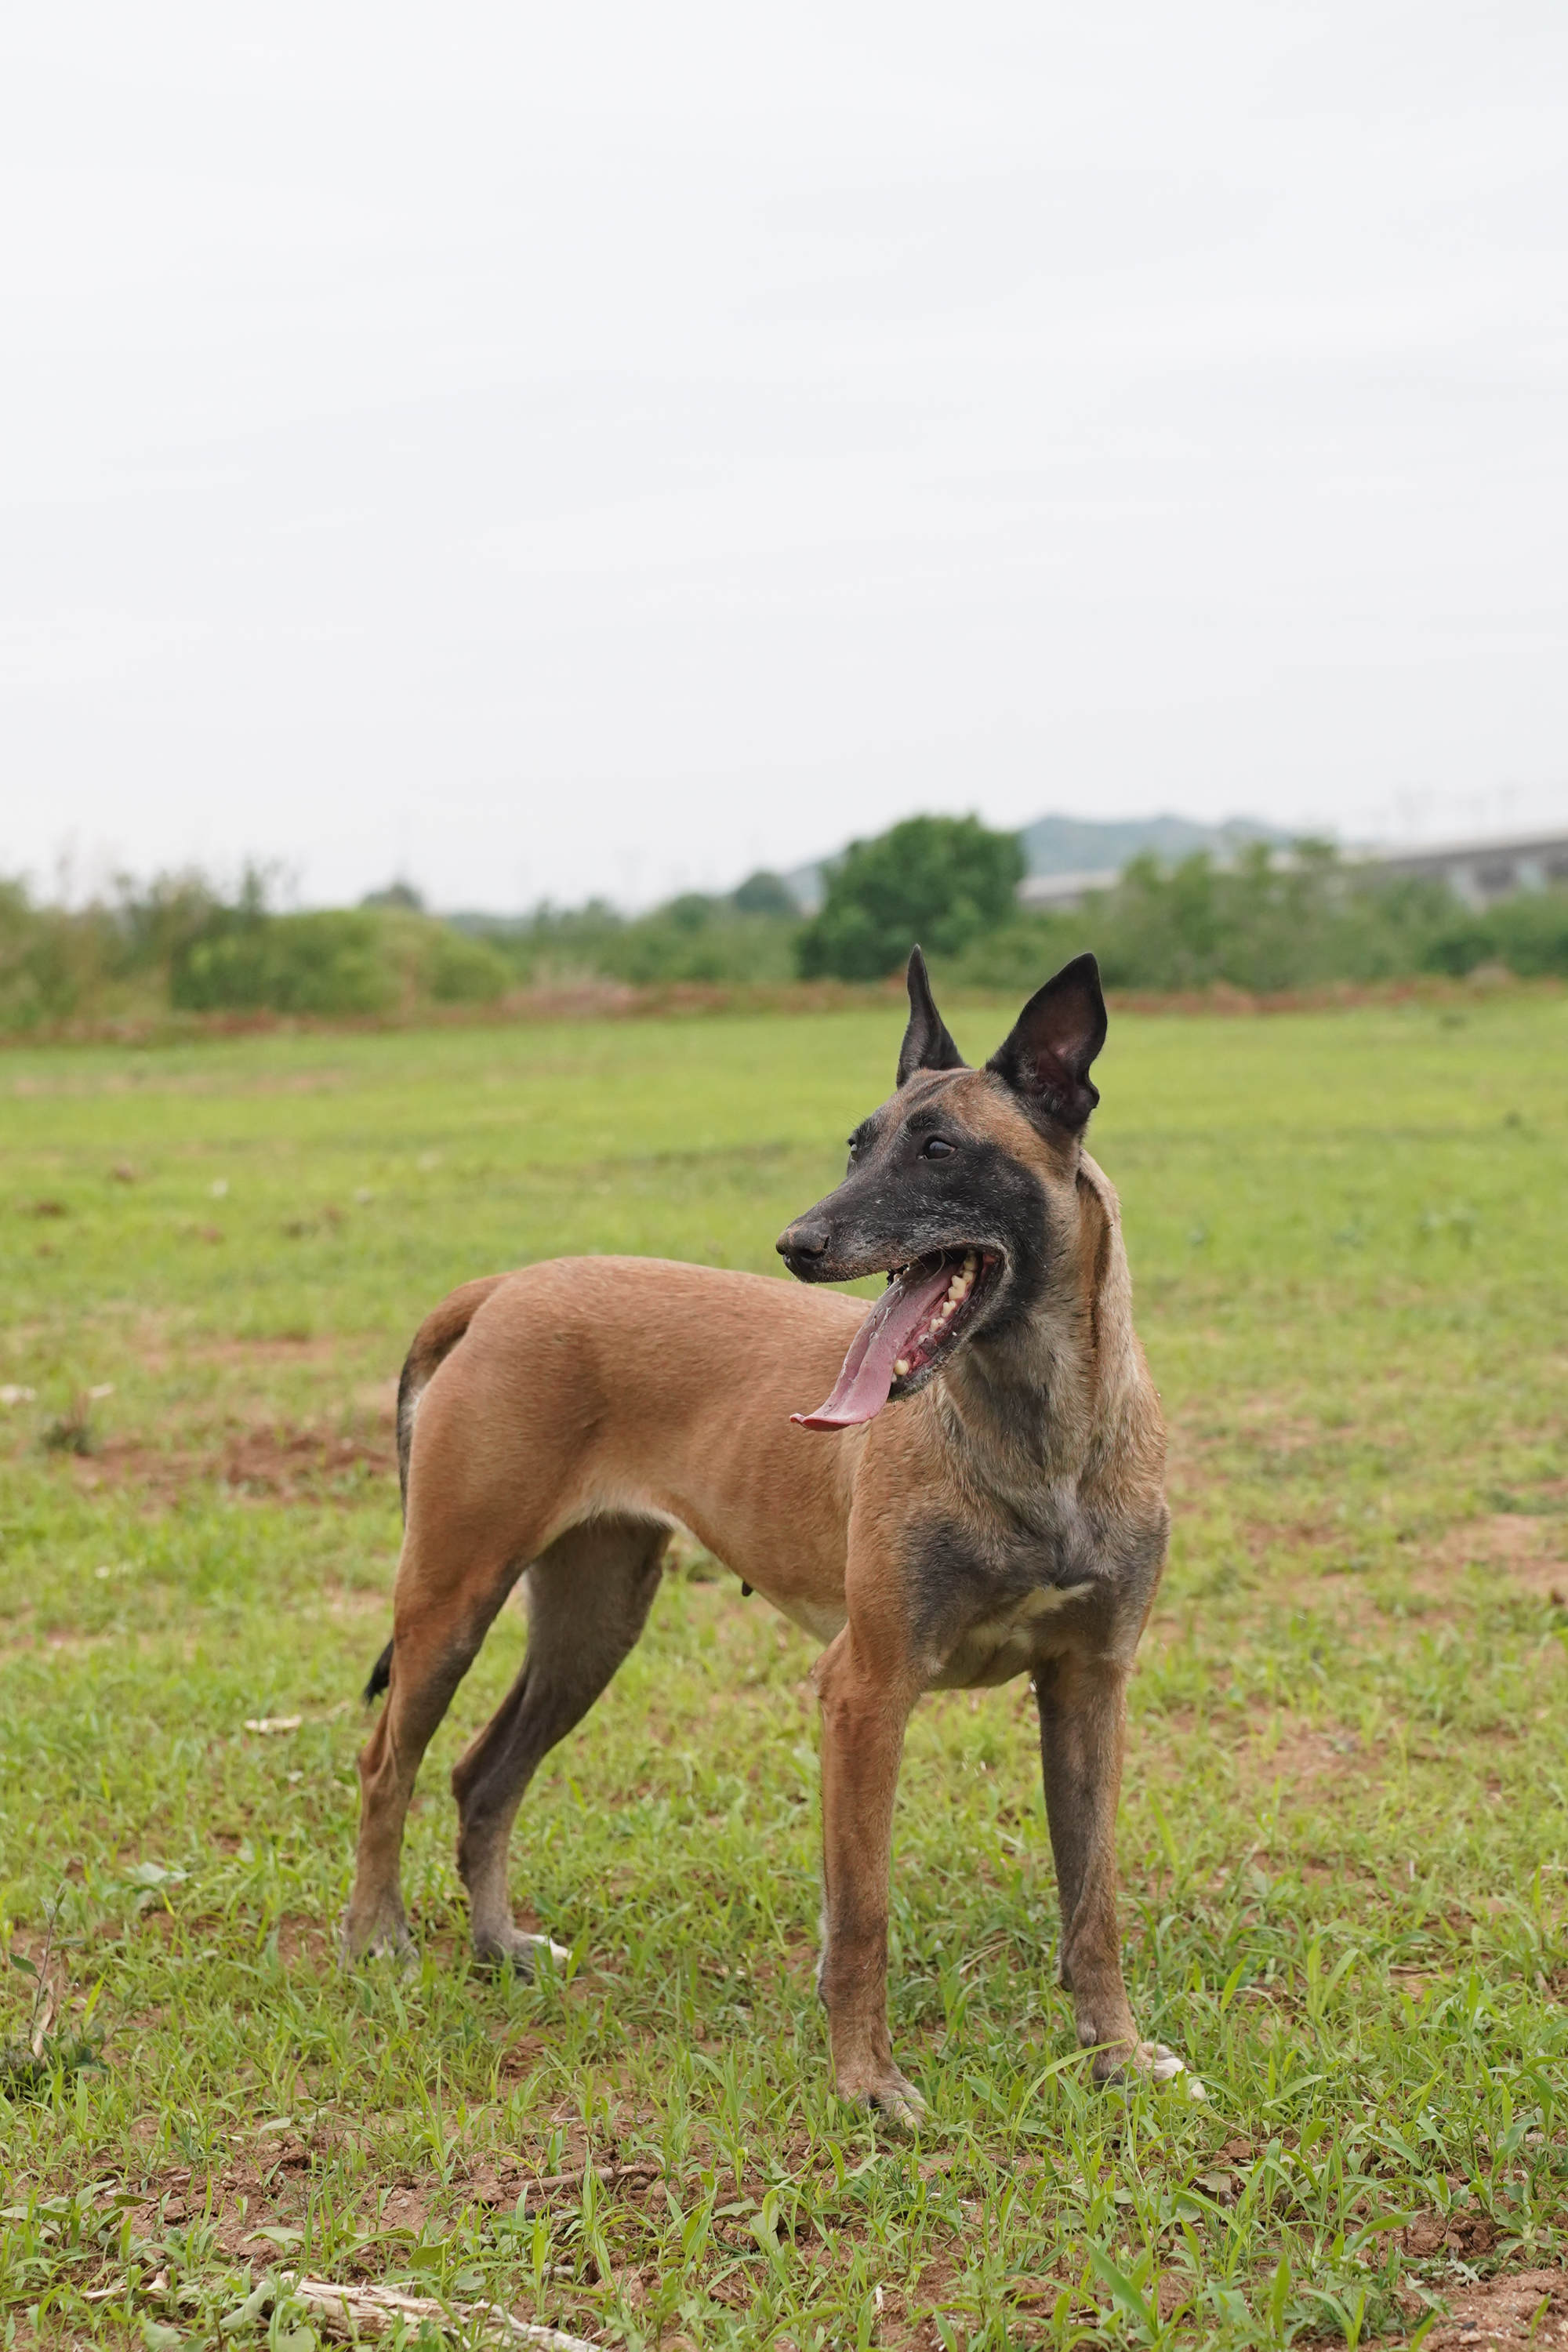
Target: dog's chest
<point x="999" y="1647"/>
<point x="984" y="1608"/>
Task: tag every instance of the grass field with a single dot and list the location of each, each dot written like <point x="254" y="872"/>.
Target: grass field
<point x="1344" y="1832"/>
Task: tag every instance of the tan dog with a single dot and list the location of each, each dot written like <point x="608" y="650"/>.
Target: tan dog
<point x="979" y="1496"/>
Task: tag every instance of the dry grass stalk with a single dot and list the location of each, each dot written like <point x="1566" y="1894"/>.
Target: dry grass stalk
<point x="354" y="2310"/>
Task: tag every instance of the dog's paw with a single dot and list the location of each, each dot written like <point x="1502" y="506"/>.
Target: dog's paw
<point x="1161" y="2065"/>
<point x="526" y="1955"/>
<point x="386" y="1939"/>
<point x="892" y="2102"/>
<point x="1149" y="2059"/>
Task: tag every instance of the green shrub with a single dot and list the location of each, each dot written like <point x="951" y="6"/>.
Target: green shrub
<point x="695" y="937"/>
<point x="338" y="961"/>
<point x="1528" y="932"/>
<point x="457" y="970"/>
<point x="334" y="961"/>
<point x="109" y="956"/>
<point x="41" y="961"/>
<point x="1256" y="925"/>
<point x="941" y="880"/>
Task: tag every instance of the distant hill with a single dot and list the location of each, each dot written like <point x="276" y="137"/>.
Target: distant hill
<point x="1072" y="845"/>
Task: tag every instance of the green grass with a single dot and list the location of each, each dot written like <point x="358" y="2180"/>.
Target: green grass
<point x="1344" y="1829"/>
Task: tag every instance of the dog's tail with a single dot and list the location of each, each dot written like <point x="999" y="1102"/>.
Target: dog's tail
<point x="433" y="1343"/>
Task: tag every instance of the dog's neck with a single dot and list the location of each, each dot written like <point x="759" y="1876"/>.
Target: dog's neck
<point x="1035" y="1407"/>
<point x="1020" y="1407"/>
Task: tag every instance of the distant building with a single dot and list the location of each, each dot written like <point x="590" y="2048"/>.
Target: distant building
<point x="1476" y="871"/>
<point x="1479" y="871"/>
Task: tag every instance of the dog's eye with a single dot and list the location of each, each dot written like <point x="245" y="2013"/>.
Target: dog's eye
<point x="854" y="1146"/>
<point x="935" y="1147"/>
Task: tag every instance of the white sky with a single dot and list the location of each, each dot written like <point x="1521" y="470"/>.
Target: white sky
<point x="540" y="448"/>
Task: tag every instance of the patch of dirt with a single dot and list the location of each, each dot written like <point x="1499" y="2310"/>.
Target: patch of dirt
<point x="1263" y="1747"/>
<point x="282" y="1463"/>
<point x="1529" y="1547"/>
<point x="1467" y="2234"/>
<point x="404" y="2208"/>
<point x="1530" y="2306"/>
<point x="1304" y="1757"/>
<point x="324" y="1348"/>
<point x="1429" y="1583"/>
<point x="306" y="1939"/>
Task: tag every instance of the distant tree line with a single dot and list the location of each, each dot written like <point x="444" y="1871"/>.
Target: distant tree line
<point x="1260" y="922"/>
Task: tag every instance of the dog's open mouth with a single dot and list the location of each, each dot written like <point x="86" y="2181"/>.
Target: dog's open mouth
<point x="915" y="1323"/>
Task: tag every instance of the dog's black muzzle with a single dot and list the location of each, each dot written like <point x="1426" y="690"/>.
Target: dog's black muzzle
<point x="806" y="1248"/>
<point x="838" y="1240"/>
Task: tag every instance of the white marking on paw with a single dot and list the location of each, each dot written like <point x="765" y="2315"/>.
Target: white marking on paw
<point x="558" y="1952"/>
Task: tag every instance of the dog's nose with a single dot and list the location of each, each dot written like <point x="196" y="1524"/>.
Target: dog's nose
<point x="807" y="1237"/>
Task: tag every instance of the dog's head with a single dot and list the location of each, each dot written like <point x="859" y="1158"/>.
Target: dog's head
<point x="951" y="1187"/>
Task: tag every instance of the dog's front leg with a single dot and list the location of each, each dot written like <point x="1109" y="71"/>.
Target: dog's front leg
<point x="1082" y="1704"/>
<point x="864" y="1711"/>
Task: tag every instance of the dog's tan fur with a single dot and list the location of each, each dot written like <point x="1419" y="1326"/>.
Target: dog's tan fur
<point x="566" y="1417"/>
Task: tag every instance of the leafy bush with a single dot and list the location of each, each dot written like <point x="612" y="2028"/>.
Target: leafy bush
<point x="739" y="938"/>
<point x="1528" y="932"/>
<point x="334" y="961"/>
<point x="40" y="979"/>
<point x="941" y="880"/>
<point x="457" y="970"/>
<point x="110" y="956"/>
<point x="339" y="961"/>
<point x="700" y="939"/>
<point x="1256" y="925"/>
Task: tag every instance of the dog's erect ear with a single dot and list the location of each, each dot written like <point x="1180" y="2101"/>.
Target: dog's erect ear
<point x="1054" y="1040"/>
<point x="927" y="1045"/>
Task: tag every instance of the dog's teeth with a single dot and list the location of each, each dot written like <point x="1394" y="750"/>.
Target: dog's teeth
<point x="969" y="1262"/>
<point x="902" y="1367"/>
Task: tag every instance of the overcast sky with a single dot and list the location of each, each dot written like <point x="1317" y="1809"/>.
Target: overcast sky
<point x="604" y="446"/>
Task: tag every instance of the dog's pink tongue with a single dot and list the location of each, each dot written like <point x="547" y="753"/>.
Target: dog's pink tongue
<point x="861" y="1388"/>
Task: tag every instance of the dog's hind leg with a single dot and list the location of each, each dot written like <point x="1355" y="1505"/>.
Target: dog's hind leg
<point x="588" y="1597"/>
<point x="439" y="1621"/>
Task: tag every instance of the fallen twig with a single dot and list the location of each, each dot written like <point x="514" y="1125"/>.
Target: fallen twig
<point x="610" y="2175"/>
<point x="353" y="2311"/>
